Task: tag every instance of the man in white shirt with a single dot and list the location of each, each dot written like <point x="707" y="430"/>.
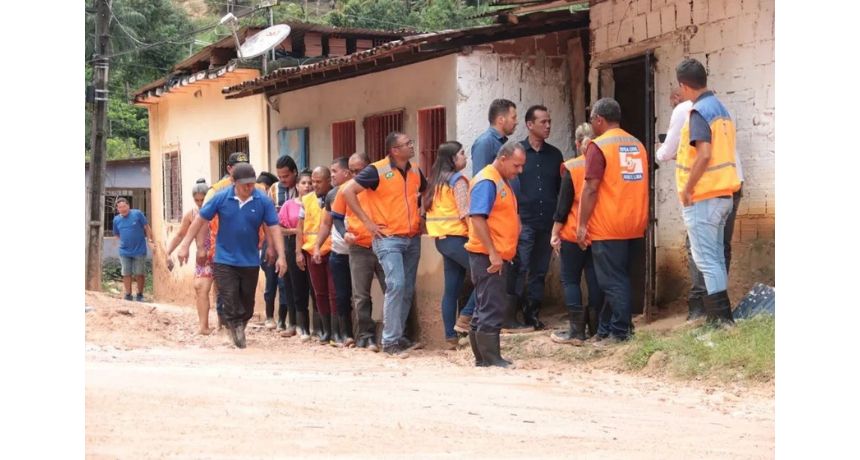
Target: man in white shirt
<point x="668" y="151"/>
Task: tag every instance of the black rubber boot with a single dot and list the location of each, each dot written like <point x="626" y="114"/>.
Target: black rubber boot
<point x="718" y="309"/>
<point x="696" y="308"/>
<point x="592" y="319"/>
<point x="302" y="323"/>
<point x="511" y="324"/>
<point x="575" y="335"/>
<point x="336" y="329"/>
<point x="325" y="329"/>
<point x="346" y="330"/>
<point x="531" y="315"/>
<point x="270" y="308"/>
<point x="292" y="316"/>
<point x="489" y="345"/>
<point x="473" y="341"/>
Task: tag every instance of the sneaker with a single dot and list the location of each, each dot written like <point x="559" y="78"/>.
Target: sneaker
<point x="462" y="324"/>
<point x="409" y="345"/>
<point x="372" y="346"/>
<point x="269" y="324"/>
<point x="452" y="343"/>
<point x="594" y="339"/>
<point x="128" y="297"/>
<point x="288" y="332"/>
<point x="395" y="350"/>
<point x="608" y="342"/>
<point x="139" y="297"/>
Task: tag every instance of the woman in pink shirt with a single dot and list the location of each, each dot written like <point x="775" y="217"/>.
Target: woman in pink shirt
<point x="289" y="218"/>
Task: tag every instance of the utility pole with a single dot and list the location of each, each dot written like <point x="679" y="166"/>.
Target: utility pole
<point x="99" y="145"/>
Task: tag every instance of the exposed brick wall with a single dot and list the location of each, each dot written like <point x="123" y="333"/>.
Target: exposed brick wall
<point x="735" y="41"/>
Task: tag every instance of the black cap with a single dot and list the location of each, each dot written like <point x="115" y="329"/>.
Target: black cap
<point x="237" y="157"/>
<point x="243" y="173"/>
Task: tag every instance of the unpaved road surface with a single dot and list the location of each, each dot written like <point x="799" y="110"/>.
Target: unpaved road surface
<point x="154" y="390"/>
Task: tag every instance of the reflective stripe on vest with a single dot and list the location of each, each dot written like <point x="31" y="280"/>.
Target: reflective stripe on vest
<point x="621" y="209"/>
<point x="394" y="203"/>
<point x="576" y="168"/>
<point x="443" y="217"/>
<point x="721" y="176"/>
<point x="312" y="219"/>
<point x="503" y="220"/>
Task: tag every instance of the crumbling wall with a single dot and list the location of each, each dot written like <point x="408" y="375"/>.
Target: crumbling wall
<point x="734" y="39"/>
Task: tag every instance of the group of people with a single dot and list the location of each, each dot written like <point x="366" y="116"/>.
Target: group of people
<point x="321" y="236"/>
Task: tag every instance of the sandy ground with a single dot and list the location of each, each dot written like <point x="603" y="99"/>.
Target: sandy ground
<point x="155" y="390"/>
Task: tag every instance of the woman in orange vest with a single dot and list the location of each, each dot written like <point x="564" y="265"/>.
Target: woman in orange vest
<point x="574" y="260"/>
<point x="448" y="198"/>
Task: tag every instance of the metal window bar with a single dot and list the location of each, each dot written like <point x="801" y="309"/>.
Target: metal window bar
<point x="431" y="134"/>
<point x="343" y="138"/>
<point x="376" y="128"/>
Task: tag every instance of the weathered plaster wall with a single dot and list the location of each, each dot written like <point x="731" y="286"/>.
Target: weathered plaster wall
<point x="190" y="122"/>
<point x="735" y="41"/>
<point x="528" y="71"/>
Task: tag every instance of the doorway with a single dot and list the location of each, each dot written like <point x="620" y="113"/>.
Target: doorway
<point x="631" y="83"/>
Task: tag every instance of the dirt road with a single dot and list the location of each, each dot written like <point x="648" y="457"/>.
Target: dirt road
<point x="153" y="390"/>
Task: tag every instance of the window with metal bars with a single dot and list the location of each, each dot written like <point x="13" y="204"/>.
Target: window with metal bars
<point x="431" y="133"/>
<point x="225" y="148"/>
<point x="376" y="128"/>
<point x="172" y="187"/>
<point x="343" y="138"/>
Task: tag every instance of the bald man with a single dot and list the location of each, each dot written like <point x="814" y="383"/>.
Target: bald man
<point x="310" y="217"/>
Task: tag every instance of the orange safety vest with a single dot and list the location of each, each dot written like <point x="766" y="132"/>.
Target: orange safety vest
<point x="354" y="225"/>
<point x="621" y="211"/>
<point x="504" y="222"/>
<point x="721" y="176"/>
<point x="443" y="217"/>
<point x="312" y="219"/>
<point x="576" y="168"/>
<point x="394" y="203"/>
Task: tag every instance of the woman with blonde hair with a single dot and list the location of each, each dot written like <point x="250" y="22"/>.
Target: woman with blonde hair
<point x="203" y="268"/>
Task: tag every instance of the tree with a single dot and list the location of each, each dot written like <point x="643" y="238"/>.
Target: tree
<point x="135" y="24"/>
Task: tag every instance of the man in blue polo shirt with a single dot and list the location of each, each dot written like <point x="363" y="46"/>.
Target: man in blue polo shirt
<point x="503" y="121"/>
<point x="130" y="226"/>
<point x="241" y="209"/>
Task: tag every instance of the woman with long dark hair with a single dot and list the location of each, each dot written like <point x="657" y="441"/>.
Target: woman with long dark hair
<point x="448" y="208"/>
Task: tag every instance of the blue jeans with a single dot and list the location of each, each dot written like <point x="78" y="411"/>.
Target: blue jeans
<point x="399" y="259"/>
<point x="706" y="222"/>
<point x="610" y="266"/>
<point x="573" y="261"/>
<point x="531" y="263"/>
<point x="455" y="260"/>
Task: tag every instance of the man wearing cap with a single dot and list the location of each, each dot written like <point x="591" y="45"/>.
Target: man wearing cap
<point x="241" y="209"/>
<point x="226" y="181"/>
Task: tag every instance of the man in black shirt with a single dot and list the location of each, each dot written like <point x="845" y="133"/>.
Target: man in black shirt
<point x="537" y="196"/>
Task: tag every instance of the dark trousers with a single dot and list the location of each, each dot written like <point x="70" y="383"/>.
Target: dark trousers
<point x="575" y="261"/>
<point x="298" y="279"/>
<point x="455" y="261"/>
<point x="322" y="283"/>
<point x="610" y="265"/>
<point x="363" y="265"/>
<point x="534" y="252"/>
<point x="238" y="286"/>
<point x="276" y="284"/>
<point x="490" y="295"/>
<point x="698" y="289"/>
<point x="338" y="264"/>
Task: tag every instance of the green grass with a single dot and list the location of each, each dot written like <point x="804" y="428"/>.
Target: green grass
<point x="746" y="352"/>
<point x="112" y="278"/>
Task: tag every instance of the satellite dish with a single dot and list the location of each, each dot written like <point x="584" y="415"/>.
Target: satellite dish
<point x="263" y="41"/>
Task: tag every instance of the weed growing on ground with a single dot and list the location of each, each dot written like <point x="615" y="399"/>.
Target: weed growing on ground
<point x="745" y="352"/>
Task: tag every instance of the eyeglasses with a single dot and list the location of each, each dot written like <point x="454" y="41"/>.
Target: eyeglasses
<point x="409" y="144"/>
